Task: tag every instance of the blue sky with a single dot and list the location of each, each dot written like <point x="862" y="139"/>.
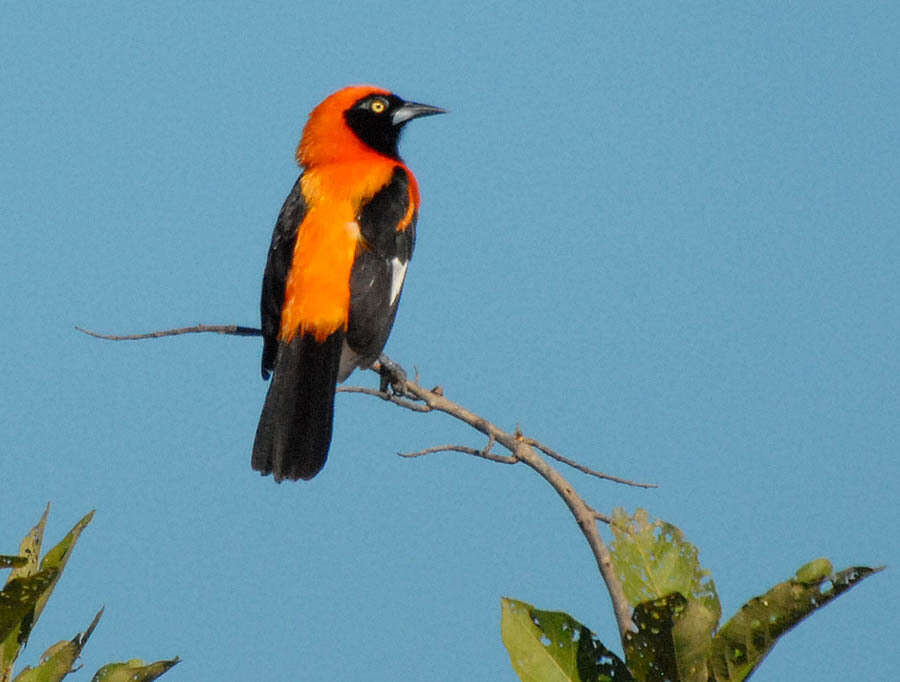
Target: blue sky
<point x="662" y="240"/>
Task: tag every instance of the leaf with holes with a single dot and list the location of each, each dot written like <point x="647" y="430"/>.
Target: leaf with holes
<point x="17" y="602"/>
<point x="744" y="641"/>
<point x="654" y="561"/>
<point x="30" y="549"/>
<point x="650" y="651"/>
<point x="552" y="646"/>
<point x="11" y="641"/>
<point x="29" y="587"/>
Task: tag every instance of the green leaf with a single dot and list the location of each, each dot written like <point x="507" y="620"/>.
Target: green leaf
<point x="650" y="651"/>
<point x="134" y="670"/>
<point x="551" y="646"/>
<point x="744" y="641"/>
<point x="57" y="661"/>
<point x="692" y="639"/>
<point x="30" y="549"/>
<point x="36" y="592"/>
<point x="17" y="602"/>
<point x="655" y="561"/>
<point x="57" y="557"/>
<point x="59" y="554"/>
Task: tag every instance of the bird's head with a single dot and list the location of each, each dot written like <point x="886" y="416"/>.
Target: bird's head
<point x="355" y="121"/>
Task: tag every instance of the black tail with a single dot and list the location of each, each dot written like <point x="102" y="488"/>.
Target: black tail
<point x="294" y="430"/>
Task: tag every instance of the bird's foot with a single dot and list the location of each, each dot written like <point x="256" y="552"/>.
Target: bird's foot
<point x="392" y="375"/>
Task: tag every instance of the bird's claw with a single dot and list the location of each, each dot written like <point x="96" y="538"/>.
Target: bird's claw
<point x="392" y="375"/>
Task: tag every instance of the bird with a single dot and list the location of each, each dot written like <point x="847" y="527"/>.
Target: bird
<point x="335" y="270"/>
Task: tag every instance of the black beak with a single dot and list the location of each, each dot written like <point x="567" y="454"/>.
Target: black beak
<point x="411" y="110"/>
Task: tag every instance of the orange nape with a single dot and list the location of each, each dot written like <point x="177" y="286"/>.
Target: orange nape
<point x="326" y="136"/>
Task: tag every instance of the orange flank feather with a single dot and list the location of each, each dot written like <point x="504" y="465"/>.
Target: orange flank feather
<point x="413" y="204"/>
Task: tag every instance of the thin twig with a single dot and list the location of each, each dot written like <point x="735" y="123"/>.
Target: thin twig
<point x="384" y="395"/>
<point x="583" y="469"/>
<point x="230" y="329"/>
<point x="504" y="459"/>
<point x="487" y="448"/>
<point x="600" y="516"/>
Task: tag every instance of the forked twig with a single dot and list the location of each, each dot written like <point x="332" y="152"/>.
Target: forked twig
<point x="523" y="451"/>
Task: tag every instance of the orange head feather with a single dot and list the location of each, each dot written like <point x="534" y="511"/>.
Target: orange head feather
<point x="326" y="137"/>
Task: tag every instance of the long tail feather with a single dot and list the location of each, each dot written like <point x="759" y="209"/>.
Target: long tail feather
<point x="294" y="431"/>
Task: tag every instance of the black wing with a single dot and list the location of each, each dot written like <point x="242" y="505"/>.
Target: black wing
<point x="278" y="265"/>
<point x="380" y="265"/>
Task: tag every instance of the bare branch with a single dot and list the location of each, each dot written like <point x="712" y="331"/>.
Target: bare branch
<point x="521" y="449"/>
<point x="230" y="329"/>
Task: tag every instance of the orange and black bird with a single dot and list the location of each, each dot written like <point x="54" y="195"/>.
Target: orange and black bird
<point x="335" y="270"/>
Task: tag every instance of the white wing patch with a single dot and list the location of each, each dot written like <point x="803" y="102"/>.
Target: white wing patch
<point x="398" y="274"/>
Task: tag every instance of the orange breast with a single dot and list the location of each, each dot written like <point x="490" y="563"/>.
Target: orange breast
<point x="317" y="291"/>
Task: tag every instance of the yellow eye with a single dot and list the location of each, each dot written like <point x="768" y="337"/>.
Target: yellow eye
<point x="378" y="105"/>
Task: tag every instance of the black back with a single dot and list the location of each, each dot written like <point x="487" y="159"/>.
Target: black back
<point x="278" y="265"/>
<point x="371" y="310"/>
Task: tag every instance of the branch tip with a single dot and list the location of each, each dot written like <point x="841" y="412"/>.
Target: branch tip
<point x="227" y="329"/>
